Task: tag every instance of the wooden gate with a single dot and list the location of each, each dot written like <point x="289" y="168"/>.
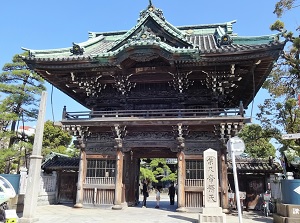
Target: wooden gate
<point x="194" y="184"/>
<point x="67" y="187"/>
<point x="99" y="184"/>
<point x="99" y="191"/>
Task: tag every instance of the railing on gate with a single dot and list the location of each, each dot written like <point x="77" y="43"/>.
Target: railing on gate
<point x="159" y="113"/>
<point x="194" y="182"/>
<point x="194" y="199"/>
<point x="100" y="180"/>
<point x="95" y="194"/>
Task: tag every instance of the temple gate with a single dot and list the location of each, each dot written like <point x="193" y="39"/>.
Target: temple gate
<point x="155" y="91"/>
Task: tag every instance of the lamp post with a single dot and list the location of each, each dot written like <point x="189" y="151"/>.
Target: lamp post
<point x="236" y="146"/>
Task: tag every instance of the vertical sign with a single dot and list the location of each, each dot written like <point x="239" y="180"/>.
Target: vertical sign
<point x="211" y="181"/>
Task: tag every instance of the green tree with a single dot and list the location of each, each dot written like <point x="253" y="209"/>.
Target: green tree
<point x="257" y="141"/>
<point x="20" y="87"/>
<point x="280" y="112"/>
<point x="156" y="170"/>
<point x="285" y="5"/>
<point x="146" y="173"/>
<point x="284" y="79"/>
<point x="6" y="117"/>
<point x="55" y="139"/>
<point x="6" y="157"/>
<point x="282" y="117"/>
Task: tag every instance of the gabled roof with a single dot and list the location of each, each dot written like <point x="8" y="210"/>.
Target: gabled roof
<point x="56" y="161"/>
<point x="154" y="45"/>
<point x="153" y="30"/>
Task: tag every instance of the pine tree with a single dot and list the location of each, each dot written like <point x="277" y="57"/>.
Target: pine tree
<point x="19" y="88"/>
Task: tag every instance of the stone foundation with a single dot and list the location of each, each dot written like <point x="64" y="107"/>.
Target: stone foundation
<point x="287" y="213"/>
<point x="212" y="215"/>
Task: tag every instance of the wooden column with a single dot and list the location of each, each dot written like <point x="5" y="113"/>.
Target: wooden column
<point x="118" y="176"/>
<point x="79" y="193"/>
<point x="224" y="180"/>
<point x="181" y="181"/>
<point x="132" y="181"/>
<point x="131" y="169"/>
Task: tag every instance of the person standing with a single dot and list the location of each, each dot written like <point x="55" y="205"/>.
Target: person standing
<point x="157" y="197"/>
<point x="145" y="192"/>
<point x="172" y="193"/>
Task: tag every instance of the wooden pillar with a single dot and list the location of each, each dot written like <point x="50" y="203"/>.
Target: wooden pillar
<point x="224" y="180"/>
<point x="130" y="176"/>
<point x="133" y="184"/>
<point x="119" y="174"/>
<point x="79" y="193"/>
<point x="181" y="181"/>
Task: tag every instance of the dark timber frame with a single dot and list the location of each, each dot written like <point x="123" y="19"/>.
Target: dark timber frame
<point x="155" y="91"/>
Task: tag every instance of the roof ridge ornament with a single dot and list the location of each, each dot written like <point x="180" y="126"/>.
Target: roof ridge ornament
<point x="225" y="40"/>
<point x="76" y="49"/>
<point x="146" y="33"/>
<point x="153" y="9"/>
<point x="150" y="3"/>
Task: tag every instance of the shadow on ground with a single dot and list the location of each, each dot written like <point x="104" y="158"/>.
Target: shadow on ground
<point x="187" y="219"/>
<point x="255" y="216"/>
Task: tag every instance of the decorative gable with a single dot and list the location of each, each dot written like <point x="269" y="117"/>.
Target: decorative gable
<point x="152" y="27"/>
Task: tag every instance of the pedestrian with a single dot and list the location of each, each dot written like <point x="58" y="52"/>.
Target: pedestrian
<point x="172" y="193"/>
<point x="145" y="192"/>
<point x="176" y="191"/>
<point x="157" y="197"/>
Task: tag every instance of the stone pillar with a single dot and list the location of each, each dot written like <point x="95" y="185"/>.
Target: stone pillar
<point x="224" y="180"/>
<point x="33" y="182"/>
<point x="79" y="192"/>
<point x="212" y="212"/>
<point x="118" y="177"/>
<point x="23" y="180"/>
<point x="181" y="182"/>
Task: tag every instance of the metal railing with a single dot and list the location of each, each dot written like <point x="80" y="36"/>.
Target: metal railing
<point x="160" y="113"/>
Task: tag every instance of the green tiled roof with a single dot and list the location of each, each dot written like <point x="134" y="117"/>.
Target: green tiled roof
<point x="183" y="40"/>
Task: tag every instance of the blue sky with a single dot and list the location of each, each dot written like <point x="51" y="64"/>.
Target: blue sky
<point x="37" y="24"/>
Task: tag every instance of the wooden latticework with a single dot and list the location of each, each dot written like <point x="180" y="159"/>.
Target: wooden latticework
<point x="193" y="199"/>
<point x="98" y="196"/>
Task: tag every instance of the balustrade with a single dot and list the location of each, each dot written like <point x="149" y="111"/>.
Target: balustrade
<point x="100" y="180"/>
<point x="194" y="182"/>
<point x="163" y="113"/>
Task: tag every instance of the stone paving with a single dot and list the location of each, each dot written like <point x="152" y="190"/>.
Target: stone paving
<point x="165" y="214"/>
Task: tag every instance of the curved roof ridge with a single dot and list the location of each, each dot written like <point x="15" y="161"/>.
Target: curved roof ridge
<point x="64" y="50"/>
<point x="163" y="23"/>
<point x="255" y="40"/>
<point x="220" y="31"/>
<point x="228" y="26"/>
<point x="260" y="37"/>
<point x="48" y="51"/>
<point x="208" y="25"/>
<point x="170" y="28"/>
<point x="92" y="41"/>
<point x="129" y="32"/>
<point x="141" y="43"/>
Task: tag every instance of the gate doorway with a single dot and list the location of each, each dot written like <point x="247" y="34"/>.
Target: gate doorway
<point x="67" y="187"/>
<point x="189" y="170"/>
<point x="144" y="159"/>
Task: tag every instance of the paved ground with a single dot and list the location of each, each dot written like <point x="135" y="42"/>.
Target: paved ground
<point x="165" y="214"/>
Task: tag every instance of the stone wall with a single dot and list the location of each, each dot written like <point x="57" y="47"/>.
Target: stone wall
<point x="47" y="193"/>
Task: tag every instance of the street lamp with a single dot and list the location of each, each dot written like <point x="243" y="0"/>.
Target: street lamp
<point x="236" y="146"/>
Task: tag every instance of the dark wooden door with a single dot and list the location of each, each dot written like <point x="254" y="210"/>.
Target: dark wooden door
<point x="67" y="187"/>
